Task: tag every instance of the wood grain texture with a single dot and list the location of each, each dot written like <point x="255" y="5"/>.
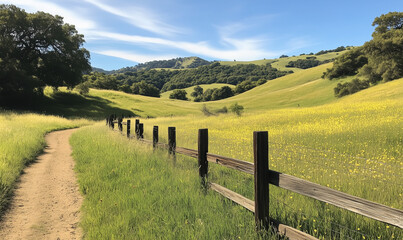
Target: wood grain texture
<point x="241" y="200"/>
<point x="290" y="232"/>
<point x="354" y="204"/>
<point x="187" y="152"/>
<point x="239" y="165"/>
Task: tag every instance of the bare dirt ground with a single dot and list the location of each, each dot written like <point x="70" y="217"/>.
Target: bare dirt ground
<point x="47" y="199"/>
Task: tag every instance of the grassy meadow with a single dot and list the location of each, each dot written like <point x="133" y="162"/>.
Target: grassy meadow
<point x="22" y="137"/>
<point x="354" y="145"/>
<point x="133" y="192"/>
<point x="281" y="63"/>
<point x="302" y="89"/>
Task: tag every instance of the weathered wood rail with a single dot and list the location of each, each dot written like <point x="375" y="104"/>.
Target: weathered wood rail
<point x="263" y="177"/>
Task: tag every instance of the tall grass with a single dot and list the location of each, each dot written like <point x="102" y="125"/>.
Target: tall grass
<point x="132" y="192"/>
<point x="354" y="145"/>
<point x="22" y="139"/>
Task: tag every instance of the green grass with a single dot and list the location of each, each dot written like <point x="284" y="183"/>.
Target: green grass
<point x="280" y="63"/>
<point x="354" y="145"/>
<point x="189" y="90"/>
<point x="132" y="192"/>
<point x="22" y="139"/>
<point x="301" y="89"/>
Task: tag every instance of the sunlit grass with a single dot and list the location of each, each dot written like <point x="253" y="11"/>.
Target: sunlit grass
<point x="133" y="192"/>
<point x="354" y="145"/>
<point x="22" y="139"/>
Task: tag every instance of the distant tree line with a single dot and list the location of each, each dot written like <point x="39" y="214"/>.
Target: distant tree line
<point x="338" y="49"/>
<point x="380" y="59"/>
<point x="152" y="82"/>
<point x="309" y="62"/>
<point x="175" y="63"/>
<point x="217" y="73"/>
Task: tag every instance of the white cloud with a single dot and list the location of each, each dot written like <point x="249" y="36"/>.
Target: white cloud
<point x="138" y="58"/>
<point x="82" y="24"/>
<point x="240" y="49"/>
<point x="139" y="17"/>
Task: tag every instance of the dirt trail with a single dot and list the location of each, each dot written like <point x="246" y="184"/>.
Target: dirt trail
<point x="47" y="200"/>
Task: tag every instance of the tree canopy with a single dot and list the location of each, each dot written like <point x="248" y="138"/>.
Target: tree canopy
<point x="37" y="50"/>
<point x="380" y="59"/>
<point x="178" y="94"/>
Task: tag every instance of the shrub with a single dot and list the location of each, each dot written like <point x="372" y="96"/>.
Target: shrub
<point x="206" y="111"/>
<point x="83" y="88"/>
<point x="347" y="88"/>
<point x="237" y="109"/>
<point x="222" y="110"/>
<point x="178" y="94"/>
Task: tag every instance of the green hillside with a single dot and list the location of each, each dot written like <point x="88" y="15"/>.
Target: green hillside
<point x="175" y="63"/>
<point x="302" y="89"/>
<point x="280" y="63"/>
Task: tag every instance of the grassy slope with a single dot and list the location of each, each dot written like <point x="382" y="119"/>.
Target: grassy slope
<point x="304" y="88"/>
<point x="353" y="145"/>
<point x="360" y="134"/>
<point x="280" y="63"/>
<point x="132" y="192"/>
<point x="22" y="140"/>
<point x="189" y="90"/>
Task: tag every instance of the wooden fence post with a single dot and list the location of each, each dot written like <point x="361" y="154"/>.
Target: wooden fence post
<point x="171" y="140"/>
<point x="128" y="128"/>
<point x="141" y="130"/>
<point x="136" y="128"/>
<point x="261" y="166"/>
<point x="155" y="136"/>
<point x="202" y="153"/>
<point x="120" y="124"/>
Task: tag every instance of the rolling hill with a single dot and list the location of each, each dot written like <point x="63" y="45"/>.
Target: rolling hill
<point x="304" y="88"/>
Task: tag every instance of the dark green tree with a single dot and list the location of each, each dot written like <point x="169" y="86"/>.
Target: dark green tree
<point x="145" y="89"/>
<point x="197" y="91"/>
<point x="378" y="59"/>
<point x="178" y="94"/>
<point x="221" y="93"/>
<point x="385" y="50"/>
<point x="347" y="64"/>
<point x="37" y="50"/>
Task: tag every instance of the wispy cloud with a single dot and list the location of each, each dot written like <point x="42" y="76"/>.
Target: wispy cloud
<point x="241" y="49"/>
<point x="82" y="24"/>
<point x="134" y="57"/>
<point x="139" y="17"/>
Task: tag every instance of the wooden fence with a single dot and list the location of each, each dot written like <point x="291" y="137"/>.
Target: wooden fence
<point x="263" y="176"/>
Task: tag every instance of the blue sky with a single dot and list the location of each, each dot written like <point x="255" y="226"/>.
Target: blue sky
<point x="123" y="33"/>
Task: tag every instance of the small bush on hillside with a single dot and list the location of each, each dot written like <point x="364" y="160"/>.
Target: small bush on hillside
<point x="83" y="88"/>
<point x="222" y="110"/>
<point x="178" y="94"/>
<point x="205" y="111"/>
<point x="237" y="109"/>
<point x="348" y="88"/>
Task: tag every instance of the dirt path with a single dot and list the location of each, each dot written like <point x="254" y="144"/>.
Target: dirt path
<point x="47" y="200"/>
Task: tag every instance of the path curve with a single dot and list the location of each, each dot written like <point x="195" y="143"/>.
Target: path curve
<point x="47" y="199"/>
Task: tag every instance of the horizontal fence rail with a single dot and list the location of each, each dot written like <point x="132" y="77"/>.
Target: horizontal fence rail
<point x="328" y="195"/>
